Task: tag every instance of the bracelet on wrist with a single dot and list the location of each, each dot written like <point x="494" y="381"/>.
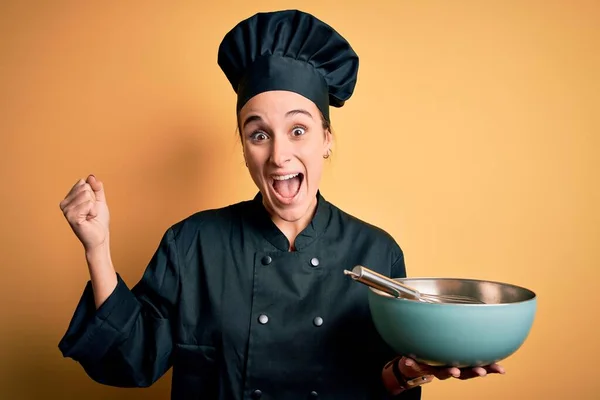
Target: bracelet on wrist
<point x="392" y="369"/>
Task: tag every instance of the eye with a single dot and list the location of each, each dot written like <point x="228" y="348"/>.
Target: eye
<point x="298" y="131"/>
<point x="258" y="136"/>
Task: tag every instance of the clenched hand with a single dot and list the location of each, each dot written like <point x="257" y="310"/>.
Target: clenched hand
<point x="86" y="210"/>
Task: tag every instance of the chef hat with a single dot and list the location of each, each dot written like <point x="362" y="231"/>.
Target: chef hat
<point x="289" y="50"/>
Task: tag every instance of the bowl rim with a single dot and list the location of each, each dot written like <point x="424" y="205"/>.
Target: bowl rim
<point x="533" y="294"/>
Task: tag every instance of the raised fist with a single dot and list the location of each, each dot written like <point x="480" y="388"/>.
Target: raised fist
<point x="86" y="210"/>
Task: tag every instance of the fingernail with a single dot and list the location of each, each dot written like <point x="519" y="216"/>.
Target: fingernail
<point x="409" y="363"/>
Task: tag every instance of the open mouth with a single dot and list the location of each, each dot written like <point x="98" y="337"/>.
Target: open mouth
<point x="287" y="186"/>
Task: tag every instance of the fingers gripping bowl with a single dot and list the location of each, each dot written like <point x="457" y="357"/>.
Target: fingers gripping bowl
<point x="448" y="334"/>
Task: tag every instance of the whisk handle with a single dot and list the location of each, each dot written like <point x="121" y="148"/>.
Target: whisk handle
<point x="383" y="283"/>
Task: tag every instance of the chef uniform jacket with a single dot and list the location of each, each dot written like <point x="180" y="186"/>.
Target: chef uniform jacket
<point x="238" y="316"/>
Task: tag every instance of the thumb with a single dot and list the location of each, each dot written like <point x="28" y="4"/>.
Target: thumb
<point x="97" y="187"/>
<point x="410" y="368"/>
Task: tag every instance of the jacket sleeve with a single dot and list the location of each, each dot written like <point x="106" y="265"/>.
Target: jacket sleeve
<point x="411" y="394"/>
<point x="398" y="270"/>
<point x="127" y="341"/>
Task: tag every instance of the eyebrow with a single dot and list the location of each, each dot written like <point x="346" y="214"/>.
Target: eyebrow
<point x="255" y="118"/>
<point x="250" y="119"/>
<point x="298" y="111"/>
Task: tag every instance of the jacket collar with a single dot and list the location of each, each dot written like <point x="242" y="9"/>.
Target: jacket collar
<point x="315" y="229"/>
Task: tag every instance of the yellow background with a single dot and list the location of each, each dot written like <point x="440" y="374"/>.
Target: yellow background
<point x="472" y="138"/>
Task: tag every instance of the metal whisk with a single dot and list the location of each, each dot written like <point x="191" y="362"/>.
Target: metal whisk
<point x="397" y="289"/>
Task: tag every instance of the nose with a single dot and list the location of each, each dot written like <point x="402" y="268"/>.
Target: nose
<point x="281" y="151"/>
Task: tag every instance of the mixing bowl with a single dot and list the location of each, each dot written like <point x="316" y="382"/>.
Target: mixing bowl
<point x="460" y="335"/>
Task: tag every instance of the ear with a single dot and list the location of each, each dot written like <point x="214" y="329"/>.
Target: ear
<point x="328" y="140"/>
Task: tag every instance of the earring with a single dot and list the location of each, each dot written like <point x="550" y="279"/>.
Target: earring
<point x="328" y="153"/>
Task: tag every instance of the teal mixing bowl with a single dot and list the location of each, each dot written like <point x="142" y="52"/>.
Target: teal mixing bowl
<point x="460" y="335"/>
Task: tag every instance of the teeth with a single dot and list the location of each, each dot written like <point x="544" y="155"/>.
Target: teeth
<point x="285" y="177"/>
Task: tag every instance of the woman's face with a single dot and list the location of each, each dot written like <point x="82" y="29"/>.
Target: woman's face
<point x="284" y="143"/>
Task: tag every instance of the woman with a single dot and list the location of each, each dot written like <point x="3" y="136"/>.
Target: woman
<point x="250" y="300"/>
